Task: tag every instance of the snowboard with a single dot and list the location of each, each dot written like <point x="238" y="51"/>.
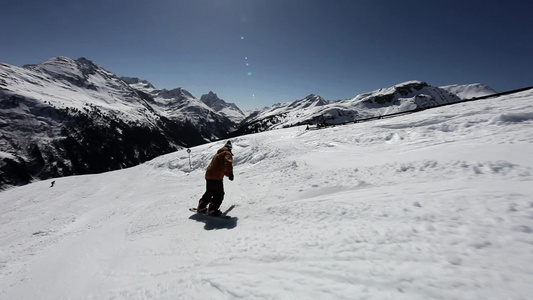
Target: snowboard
<point x="204" y="213"/>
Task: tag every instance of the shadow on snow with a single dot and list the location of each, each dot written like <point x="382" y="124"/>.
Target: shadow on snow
<point x="223" y="222"/>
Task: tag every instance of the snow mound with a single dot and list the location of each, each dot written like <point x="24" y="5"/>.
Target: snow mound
<point x="512" y="118"/>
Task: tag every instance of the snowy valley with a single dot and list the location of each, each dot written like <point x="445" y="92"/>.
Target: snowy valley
<point x="436" y="204"/>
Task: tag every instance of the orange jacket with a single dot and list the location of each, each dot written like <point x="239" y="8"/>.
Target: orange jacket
<point x="221" y="164"/>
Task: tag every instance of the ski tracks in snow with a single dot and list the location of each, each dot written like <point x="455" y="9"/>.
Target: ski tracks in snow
<point x="433" y="205"/>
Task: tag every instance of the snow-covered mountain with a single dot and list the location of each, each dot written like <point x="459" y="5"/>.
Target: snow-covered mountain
<point x="65" y="117"/>
<point x="315" y="110"/>
<point x="469" y="91"/>
<point x="432" y="205"/>
<point x="229" y="110"/>
<point x="282" y="115"/>
<point x="180" y="104"/>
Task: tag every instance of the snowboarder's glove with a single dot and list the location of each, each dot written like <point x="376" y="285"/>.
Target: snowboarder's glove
<point x="231" y="176"/>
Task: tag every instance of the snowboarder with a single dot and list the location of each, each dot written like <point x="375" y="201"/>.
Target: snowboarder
<point x="221" y="165"/>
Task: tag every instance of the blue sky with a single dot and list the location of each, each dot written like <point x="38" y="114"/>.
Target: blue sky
<point x="259" y="52"/>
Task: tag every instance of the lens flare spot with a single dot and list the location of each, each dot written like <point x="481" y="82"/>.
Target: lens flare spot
<point x="249" y="73"/>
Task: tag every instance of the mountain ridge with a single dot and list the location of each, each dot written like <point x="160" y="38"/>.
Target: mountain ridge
<point x="314" y="110"/>
<point x="65" y="117"/>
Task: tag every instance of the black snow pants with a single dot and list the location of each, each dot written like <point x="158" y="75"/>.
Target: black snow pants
<point x="214" y="193"/>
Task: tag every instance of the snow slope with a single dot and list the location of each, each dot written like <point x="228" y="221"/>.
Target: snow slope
<point x="64" y="82"/>
<point x="433" y="205"/>
<point x="469" y="91"/>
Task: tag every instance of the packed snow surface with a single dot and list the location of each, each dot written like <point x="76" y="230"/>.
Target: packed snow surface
<point x="432" y="205"/>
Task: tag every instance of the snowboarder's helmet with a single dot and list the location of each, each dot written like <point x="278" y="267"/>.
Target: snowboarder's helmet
<point x="228" y="145"/>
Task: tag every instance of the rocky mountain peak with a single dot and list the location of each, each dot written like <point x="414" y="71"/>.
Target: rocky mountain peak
<point x="229" y="110"/>
<point x="311" y="100"/>
<point x="177" y="93"/>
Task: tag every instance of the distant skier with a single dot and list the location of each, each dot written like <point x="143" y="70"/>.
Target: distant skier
<point x="221" y="165"/>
